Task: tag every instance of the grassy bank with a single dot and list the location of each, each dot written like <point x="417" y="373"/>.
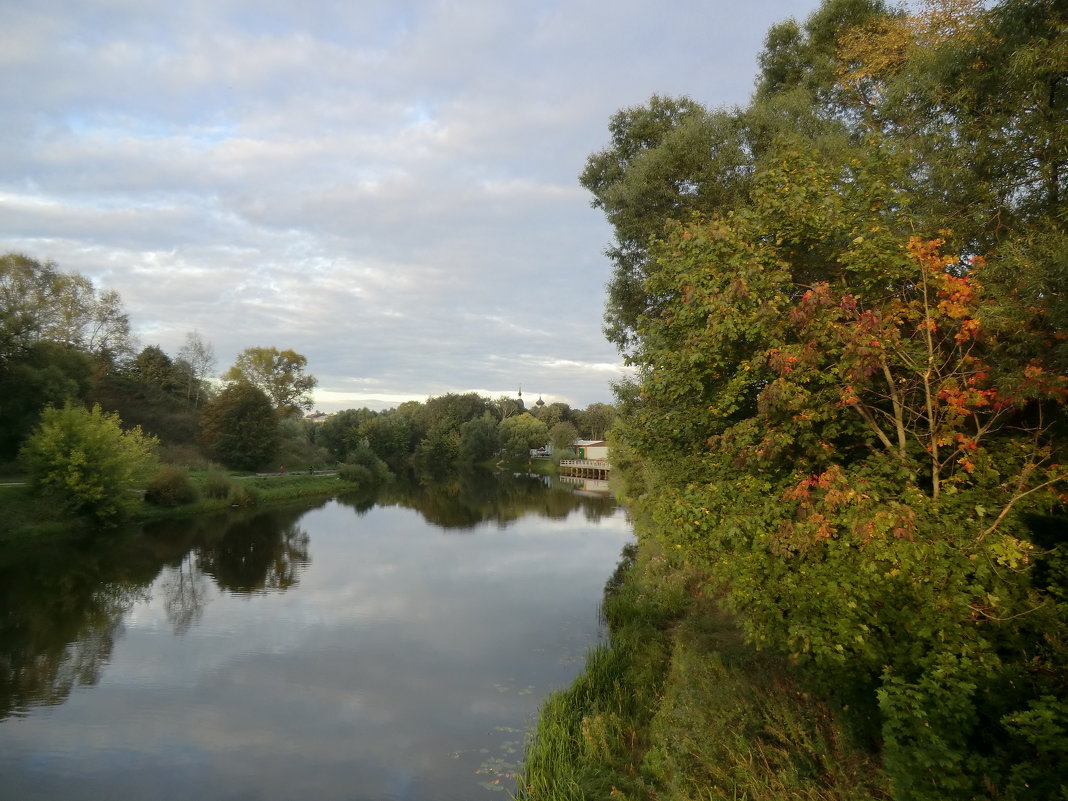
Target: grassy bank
<point x="26" y="515"/>
<point x="677" y="707"/>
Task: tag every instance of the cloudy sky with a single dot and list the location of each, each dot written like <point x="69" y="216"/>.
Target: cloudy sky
<point x="386" y="186"/>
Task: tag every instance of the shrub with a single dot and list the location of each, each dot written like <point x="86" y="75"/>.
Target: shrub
<point x="170" y="486"/>
<point x="217" y="484"/>
<point x="357" y="474"/>
<point x="243" y="494"/>
<point x="85" y="463"/>
<point x="365" y="468"/>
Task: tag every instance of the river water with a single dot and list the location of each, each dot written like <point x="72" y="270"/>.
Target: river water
<point x="354" y="649"/>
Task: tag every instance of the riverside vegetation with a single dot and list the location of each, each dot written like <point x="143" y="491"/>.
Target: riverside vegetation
<point x="94" y="428"/>
<point x="844" y="445"/>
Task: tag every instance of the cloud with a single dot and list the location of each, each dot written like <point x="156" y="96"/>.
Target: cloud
<point x="387" y="187"/>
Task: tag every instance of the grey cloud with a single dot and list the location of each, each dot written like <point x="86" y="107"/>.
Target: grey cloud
<point x="388" y="187"/>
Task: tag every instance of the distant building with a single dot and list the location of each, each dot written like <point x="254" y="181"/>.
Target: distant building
<point x="592" y="449"/>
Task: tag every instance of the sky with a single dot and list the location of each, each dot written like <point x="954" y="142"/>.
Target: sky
<point x="388" y="187"/>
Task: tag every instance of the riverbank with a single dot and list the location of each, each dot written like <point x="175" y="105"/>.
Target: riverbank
<point x="26" y="516"/>
<point x="676" y="706"/>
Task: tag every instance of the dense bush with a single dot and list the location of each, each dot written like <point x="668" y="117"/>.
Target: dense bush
<point x="217" y="484"/>
<point x="364" y="468"/>
<point x="85" y="463"/>
<point x="243" y="494"/>
<point x="171" y="486"/>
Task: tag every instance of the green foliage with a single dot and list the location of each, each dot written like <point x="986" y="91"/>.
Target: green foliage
<point x="279" y="374"/>
<point x="561" y="436"/>
<point x="170" y="486"/>
<point x="242" y="493"/>
<point x="239" y="427"/>
<point x="364" y="468"/>
<point x="675" y="706"/>
<point x="850" y="388"/>
<point x="43" y="373"/>
<point x="520" y="433"/>
<point x="216" y="483"/>
<point x="478" y="440"/>
<point x="83" y="461"/>
<point x="298" y="445"/>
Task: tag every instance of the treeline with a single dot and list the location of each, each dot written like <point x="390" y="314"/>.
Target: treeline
<point x="467" y="429"/>
<point x="62" y="339"/>
<point x="845" y="304"/>
<point x="87" y="416"/>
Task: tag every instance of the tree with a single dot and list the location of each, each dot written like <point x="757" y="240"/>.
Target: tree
<point x="41" y="374"/>
<point x="595" y="420"/>
<point x="239" y="427"/>
<point x="154" y="367"/>
<point x="86" y="463"/>
<point x="40" y="303"/>
<point x="27" y="291"/>
<point x="561" y="436"/>
<point x="478" y="439"/>
<point x="279" y="374"/>
<point x="197" y="360"/>
<point x="850" y="389"/>
<point x="666" y="160"/>
<point x="520" y="433"/>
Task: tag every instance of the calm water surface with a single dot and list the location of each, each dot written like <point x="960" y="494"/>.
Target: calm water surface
<point x="355" y="650"/>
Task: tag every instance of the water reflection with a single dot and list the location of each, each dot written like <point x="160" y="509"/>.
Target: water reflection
<point x="62" y="612"/>
<point x="338" y="650"/>
<point x="470" y="499"/>
<point x="63" y="603"/>
<point x="261" y="554"/>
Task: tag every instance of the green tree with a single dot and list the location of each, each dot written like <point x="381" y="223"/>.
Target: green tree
<point x="41" y="374"/>
<point x="666" y="160"/>
<point x="478" y="439"/>
<point x="340" y="433"/>
<point x="850" y="380"/>
<point x="239" y="427"/>
<point x="595" y="421"/>
<point x="27" y="293"/>
<point x="392" y="436"/>
<point x="279" y="374"/>
<point x="83" y="461"/>
<point x="520" y="433"/>
<point x="561" y="436"/>
<point x="154" y="367"/>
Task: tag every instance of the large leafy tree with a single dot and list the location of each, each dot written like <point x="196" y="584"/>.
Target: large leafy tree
<point x="279" y="374"/>
<point x="83" y="461"/>
<point x="850" y="390"/>
<point x="239" y="427"/>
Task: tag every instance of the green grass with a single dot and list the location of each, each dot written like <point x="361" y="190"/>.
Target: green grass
<point x="25" y="515"/>
<point x="677" y="707"/>
<point x="245" y="490"/>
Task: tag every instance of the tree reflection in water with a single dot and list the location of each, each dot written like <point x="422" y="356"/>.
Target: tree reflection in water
<point x="471" y="498"/>
<point x="63" y="603"/>
<point x="63" y="606"/>
<point x="264" y="553"/>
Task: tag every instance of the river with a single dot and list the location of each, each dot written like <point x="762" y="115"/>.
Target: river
<point x="359" y="648"/>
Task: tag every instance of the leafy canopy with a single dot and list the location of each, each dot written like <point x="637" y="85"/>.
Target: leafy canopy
<point x="83" y="461"/>
<point x="279" y="374"/>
